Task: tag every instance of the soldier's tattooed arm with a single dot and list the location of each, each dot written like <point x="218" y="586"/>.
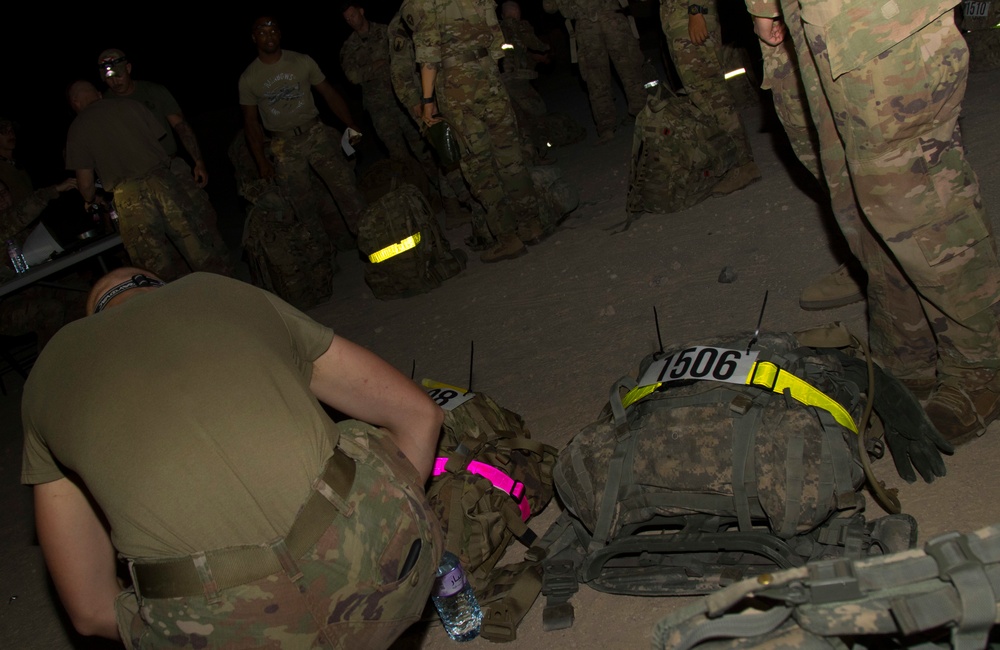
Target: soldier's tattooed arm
<point x="428" y="77"/>
<point x="79" y="556"/>
<point x="190" y="142"/>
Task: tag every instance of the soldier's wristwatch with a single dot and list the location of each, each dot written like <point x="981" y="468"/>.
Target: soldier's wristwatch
<point x="694" y="10"/>
<point x="426" y="100"/>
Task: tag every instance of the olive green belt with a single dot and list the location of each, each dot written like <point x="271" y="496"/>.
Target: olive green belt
<point x="464" y="57"/>
<point x="212" y="571"/>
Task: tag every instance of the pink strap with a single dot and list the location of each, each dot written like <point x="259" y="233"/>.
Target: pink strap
<point x="497" y="477"/>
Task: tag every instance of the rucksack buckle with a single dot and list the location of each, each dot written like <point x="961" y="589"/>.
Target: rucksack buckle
<point x="833" y="581"/>
<point x="498" y="627"/>
<point x="559" y="579"/>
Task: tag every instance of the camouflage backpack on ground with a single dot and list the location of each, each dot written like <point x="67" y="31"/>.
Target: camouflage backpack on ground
<point x="944" y="595"/>
<point x="489" y="479"/>
<point x="678" y="155"/>
<point x="718" y="464"/>
<point x="285" y="257"/>
<point x="403" y="248"/>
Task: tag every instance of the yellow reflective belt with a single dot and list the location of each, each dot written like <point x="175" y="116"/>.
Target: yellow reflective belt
<point x="769" y="376"/>
<point x="765" y="374"/>
<point x="394" y="249"/>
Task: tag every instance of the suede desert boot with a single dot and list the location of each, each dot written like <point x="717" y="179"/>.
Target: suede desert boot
<point x="508" y="247"/>
<point x="834" y="290"/>
<point x="961" y="411"/>
<point x="737" y="179"/>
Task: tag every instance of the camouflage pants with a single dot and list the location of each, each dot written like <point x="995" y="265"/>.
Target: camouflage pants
<point x="162" y="228"/>
<point x="346" y="592"/>
<point x="319" y="148"/>
<point x="904" y="195"/>
<point x="205" y="212"/>
<point x="474" y="101"/>
<point x="700" y="70"/>
<point x="599" y="44"/>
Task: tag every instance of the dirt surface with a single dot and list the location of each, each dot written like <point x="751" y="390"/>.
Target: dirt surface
<point x="554" y="329"/>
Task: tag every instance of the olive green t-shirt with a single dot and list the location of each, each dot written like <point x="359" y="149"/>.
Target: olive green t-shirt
<point x="282" y="91"/>
<point x="160" y="103"/>
<point x="187" y="413"/>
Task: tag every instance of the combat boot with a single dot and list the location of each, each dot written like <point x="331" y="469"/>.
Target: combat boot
<point x="508" y="247"/>
<point x="604" y="138"/>
<point x="531" y="231"/>
<point x="834" y="290"/>
<point x="961" y="412"/>
<point x="737" y="179"/>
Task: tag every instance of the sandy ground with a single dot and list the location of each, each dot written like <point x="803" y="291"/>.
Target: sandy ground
<point x="554" y="329"/>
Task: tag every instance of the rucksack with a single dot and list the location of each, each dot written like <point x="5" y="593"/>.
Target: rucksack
<point x="718" y="464"/>
<point x="678" y="155"/>
<point x="941" y="596"/>
<point x="285" y="257"/>
<point x="403" y="248"/>
<point x="489" y="479"/>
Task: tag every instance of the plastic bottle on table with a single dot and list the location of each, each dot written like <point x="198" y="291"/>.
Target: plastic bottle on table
<point x="16" y="257"/>
<point x="455" y="600"/>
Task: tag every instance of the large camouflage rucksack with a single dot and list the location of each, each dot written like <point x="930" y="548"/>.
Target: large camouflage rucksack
<point x="285" y="257"/>
<point x="678" y="155"/>
<point x="944" y="595"/>
<point x="404" y="250"/>
<point x="718" y="464"/>
<point x="489" y="479"/>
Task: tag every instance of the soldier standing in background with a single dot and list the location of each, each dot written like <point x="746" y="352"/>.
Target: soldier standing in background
<point x="694" y="37"/>
<point x="457" y="45"/>
<point x="604" y="35"/>
<point x="884" y="92"/>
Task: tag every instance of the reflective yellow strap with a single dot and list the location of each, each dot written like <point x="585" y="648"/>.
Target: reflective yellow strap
<point x="769" y="376"/>
<point x="430" y="383"/>
<point x="394" y="249"/>
<point x="638" y="393"/>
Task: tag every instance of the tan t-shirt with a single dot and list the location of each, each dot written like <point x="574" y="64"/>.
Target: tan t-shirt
<point x="282" y="91"/>
<point x="187" y="413"/>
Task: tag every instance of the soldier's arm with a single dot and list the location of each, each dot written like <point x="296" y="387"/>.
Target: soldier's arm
<point x="428" y="77"/>
<point x="79" y="556"/>
<point x="361" y="384"/>
<point x="86" y="184"/>
<point x="255" y="140"/>
<point x="187" y="137"/>
<point x="348" y="63"/>
<point x="336" y="103"/>
<point x="17" y="217"/>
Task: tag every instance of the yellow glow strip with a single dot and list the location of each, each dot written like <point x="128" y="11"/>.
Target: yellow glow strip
<point x="394" y="249"/>
<point x="735" y="73"/>
<point x="430" y="383"/>
<point x="768" y="376"/>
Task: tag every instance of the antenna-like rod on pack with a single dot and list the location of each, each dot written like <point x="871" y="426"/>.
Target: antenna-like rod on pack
<point x="472" y="355"/>
<point x="413" y="369"/>
<point x="656" y="319"/>
<point x="760" y="319"/>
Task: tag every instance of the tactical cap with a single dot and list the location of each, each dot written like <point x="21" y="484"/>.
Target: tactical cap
<point x="111" y="63"/>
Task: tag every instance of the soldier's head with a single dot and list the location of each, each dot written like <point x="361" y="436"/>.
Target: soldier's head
<point x="354" y="14"/>
<point x="511" y="9"/>
<point x="266" y="35"/>
<point x="82" y="94"/>
<point x="118" y="286"/>
<point x="116" y="71"/>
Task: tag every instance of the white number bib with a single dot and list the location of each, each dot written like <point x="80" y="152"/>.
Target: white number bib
<point x="699" y="362"/>
<point x="447" y="397"/>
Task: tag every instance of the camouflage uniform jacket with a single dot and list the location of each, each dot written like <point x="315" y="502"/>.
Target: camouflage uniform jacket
<point x="521" y="36"/>
<point x="860" y="30"/>
<point x="403" y="63"/>
<point x="451" y="28"/>
<point x="591" y="10"/>
<point x="365" y="60"/>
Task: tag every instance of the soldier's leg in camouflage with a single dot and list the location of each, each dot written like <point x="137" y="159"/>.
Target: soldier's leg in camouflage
<point x="595" y="68"/>
<point x="186" y="227"/>
<point x="701" y="73"/>
<point x="143" y="231"/>
<point x="326" y="157"/>
<point x="624" y="52"/>
<point x="198" y="195"/>
<point x="899" y="334"/>
<point x="919" y="193"/>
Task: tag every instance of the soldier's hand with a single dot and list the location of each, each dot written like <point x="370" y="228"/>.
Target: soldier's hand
<point x="68" y="184"/>
<point x="769" y="30"/>
<point x="200" y="174"/>
<point x="431" y="115"/>
<point x="697" y="29"/>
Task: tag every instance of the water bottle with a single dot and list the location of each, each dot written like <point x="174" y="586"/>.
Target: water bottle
<point x="455" y="600"/>
<point x="16" y="257"/>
